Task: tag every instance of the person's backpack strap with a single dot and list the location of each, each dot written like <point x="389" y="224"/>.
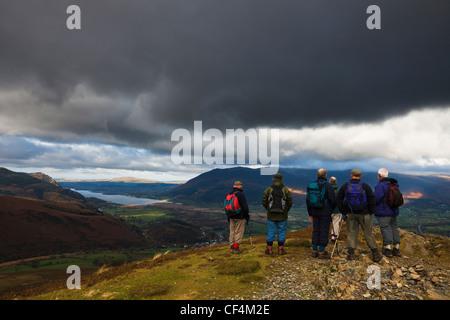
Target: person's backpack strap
<point x="283" y="199"/>
<point x="269" y="198"/>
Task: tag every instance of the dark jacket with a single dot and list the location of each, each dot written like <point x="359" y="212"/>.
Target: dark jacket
<point x="265" y="202"/>
<point x="336" y="188"/>
<point x="382" y="209"/>
<point x="244" y="214"/>
<point x="343" y="207"/>
<point x="330" y="198"/>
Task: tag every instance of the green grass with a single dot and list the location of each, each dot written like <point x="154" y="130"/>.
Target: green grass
<point x="149" y="290"/>
<point x="83" y="261"/>
<point x="138" y="216"/>
<point x="234" y="267"/>
<point x="205" y="273"/>
<point x="54" y="268"/>
<point x="150" y="217"/>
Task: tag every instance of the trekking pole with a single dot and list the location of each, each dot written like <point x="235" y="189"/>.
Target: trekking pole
<point x="250" y="234"/>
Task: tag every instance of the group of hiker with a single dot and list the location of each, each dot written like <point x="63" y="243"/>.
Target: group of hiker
<point x="327" y="205"/>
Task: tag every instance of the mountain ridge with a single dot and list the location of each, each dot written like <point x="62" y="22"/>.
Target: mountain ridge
<point x="44" y="177"/>
<point x="119" y="179"/>
<point x="211" y="186"/>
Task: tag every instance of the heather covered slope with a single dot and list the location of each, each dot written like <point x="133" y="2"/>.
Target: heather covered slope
<point x="31" y="228"/>
<point x="39" y="217"/>
<point x="214" y="273"/>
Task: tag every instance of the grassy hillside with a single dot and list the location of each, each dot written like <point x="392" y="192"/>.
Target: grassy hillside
<point x="20" y="274"/>
<point x="214" y="273"/>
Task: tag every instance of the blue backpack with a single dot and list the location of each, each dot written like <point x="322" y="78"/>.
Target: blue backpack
<point x="315" y="194"/>
<point x="355" y="196"/>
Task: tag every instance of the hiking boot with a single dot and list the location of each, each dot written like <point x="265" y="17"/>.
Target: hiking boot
<point x="281" y="251"/>
<point x="377" y="256"/>
<point x="314" y="253"/>
<point x="269" y="250"/>
<point x="324" y="255"/>
<point x="231" y="249"/>
<point x="396" y="252"/>
<point x="388" y="253"/>
<point x="237" y="250"/>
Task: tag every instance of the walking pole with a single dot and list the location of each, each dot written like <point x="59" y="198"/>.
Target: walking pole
<point x="250" y="234"/>
<point x="337" y="236"/>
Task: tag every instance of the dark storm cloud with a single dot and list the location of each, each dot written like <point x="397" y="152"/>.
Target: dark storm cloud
<point x="151" y="66"/>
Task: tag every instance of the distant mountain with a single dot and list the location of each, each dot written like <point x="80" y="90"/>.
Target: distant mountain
<point x="37" y="186"/>
<point x="132" y="180"/>
<point x="211" y="186"/>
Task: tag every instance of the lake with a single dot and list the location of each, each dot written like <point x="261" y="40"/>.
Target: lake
<point x="117" y="198"/>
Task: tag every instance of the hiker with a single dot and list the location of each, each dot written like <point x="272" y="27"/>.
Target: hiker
<point x="336" y="216"/>
<point x="357" y="202"/>
<point x="277" y="200"/>
<point x="237" y="222"/>
<point x="320" y="203"/>
<point x="386" y="215"/>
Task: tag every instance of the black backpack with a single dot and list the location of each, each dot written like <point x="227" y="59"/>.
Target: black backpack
<point x="276" y="200"/>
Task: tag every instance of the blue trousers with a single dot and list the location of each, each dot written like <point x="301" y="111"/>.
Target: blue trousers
<point x="274" y="228"/>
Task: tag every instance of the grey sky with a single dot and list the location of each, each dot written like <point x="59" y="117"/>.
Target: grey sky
<point x="139" y="69"/>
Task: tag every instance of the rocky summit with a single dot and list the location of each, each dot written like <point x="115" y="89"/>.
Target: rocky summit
<point x="309" y="278"/>
<point x="412" y="276"/>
